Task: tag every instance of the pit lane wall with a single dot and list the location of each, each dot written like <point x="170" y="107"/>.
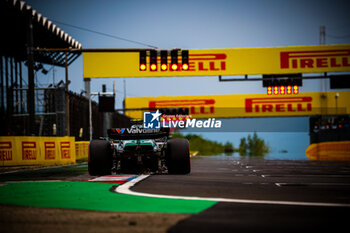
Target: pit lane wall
<point x="22" y="150"/>
<point x="336" y="151"/>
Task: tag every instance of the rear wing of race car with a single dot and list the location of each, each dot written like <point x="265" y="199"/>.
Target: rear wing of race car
<point x="137" y="133"/>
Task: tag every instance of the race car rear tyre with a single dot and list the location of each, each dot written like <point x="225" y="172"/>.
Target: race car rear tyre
<point x="100" y="158"/>
<point x="178" y="156"/>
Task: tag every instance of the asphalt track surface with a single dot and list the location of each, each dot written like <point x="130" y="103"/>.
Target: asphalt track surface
<point x="259" y="196"/>
<point x="307" y="190"/>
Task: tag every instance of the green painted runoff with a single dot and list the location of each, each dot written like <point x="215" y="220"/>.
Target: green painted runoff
<point x="92" y="196"/>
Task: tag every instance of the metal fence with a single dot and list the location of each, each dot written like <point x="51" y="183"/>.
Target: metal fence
<point x="50" y="118"/>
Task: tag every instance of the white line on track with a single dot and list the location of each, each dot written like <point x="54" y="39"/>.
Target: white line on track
<point x="125" y="189"/>
<point x="304" y="175"/>
<point x="314" y="184"/>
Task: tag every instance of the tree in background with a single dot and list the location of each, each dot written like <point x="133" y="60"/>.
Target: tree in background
<point x="228" y="147"/>
<point x="243" y="146"/>
<point x="253" y="146"/>
<point x="204" y="146"/>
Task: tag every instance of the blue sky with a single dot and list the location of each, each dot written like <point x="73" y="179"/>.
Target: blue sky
<point x="192" y="24"/>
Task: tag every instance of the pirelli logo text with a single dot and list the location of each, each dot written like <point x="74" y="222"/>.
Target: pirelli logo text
<point x="50" y="150"/>
<point x="195" y="106"/>
<point x="65" y="150"/>
<point x="29" y="150"/>
<point x="278" y="104"/>
<point x="315" y="59"/>
<point x="6" y="151"/>
<point x="207" y="62"/>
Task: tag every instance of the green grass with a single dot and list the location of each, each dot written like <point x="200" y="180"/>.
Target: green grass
<point x="91" y="196"/>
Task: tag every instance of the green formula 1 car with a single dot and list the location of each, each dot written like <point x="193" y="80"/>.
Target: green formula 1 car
<point x="139" y="150"/>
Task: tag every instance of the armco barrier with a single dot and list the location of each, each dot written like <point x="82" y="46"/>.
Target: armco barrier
<point x="81" y="149"/>
<point x="337" y="151"/>
<point x="22" y="150"/>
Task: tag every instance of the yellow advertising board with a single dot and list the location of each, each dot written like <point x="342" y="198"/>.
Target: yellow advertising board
<point x="22" y="150"/>
<point x="331" y="151"/>
<point x="246" y="105"/>
<point x="82" y="149"/>
<point x="214" y="62"/>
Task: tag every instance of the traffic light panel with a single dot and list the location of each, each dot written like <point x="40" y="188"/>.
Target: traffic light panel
<point x="282" y="84"/>
<point x="184" y="57"/>
<point x="162" y="56"/>
<point x="153" y="60"/>
<point x="143" y="61"/>
<point x="163" y="60"/>
<point x="174" y="58"/>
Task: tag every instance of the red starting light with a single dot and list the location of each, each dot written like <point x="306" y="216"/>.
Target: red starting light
<point x="269" y="90"/>
<point x="282" y="90"/>
<point x="163" y="60"/>
<point x="174" y="57"/>
<point x="184" y="67"/>
<point x="289" y="90"/>
<point x="143" y="62"/>
<point x="275" y="90"/>
<point x="295" y="89"/>
<point x="184" y="57"/>
<point x="174" y="67"/>
<point x="153" y="60"/>
<point x="143" y="67"/>
<point x="163" y="67"/>
<point x="153" y="67"/>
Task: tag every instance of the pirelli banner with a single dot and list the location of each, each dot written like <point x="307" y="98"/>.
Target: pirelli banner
<point x="214" y="62"/>
<point x="18" y="150"/>
<point x="246" y="105"/>
<point x="82" y="149"/>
